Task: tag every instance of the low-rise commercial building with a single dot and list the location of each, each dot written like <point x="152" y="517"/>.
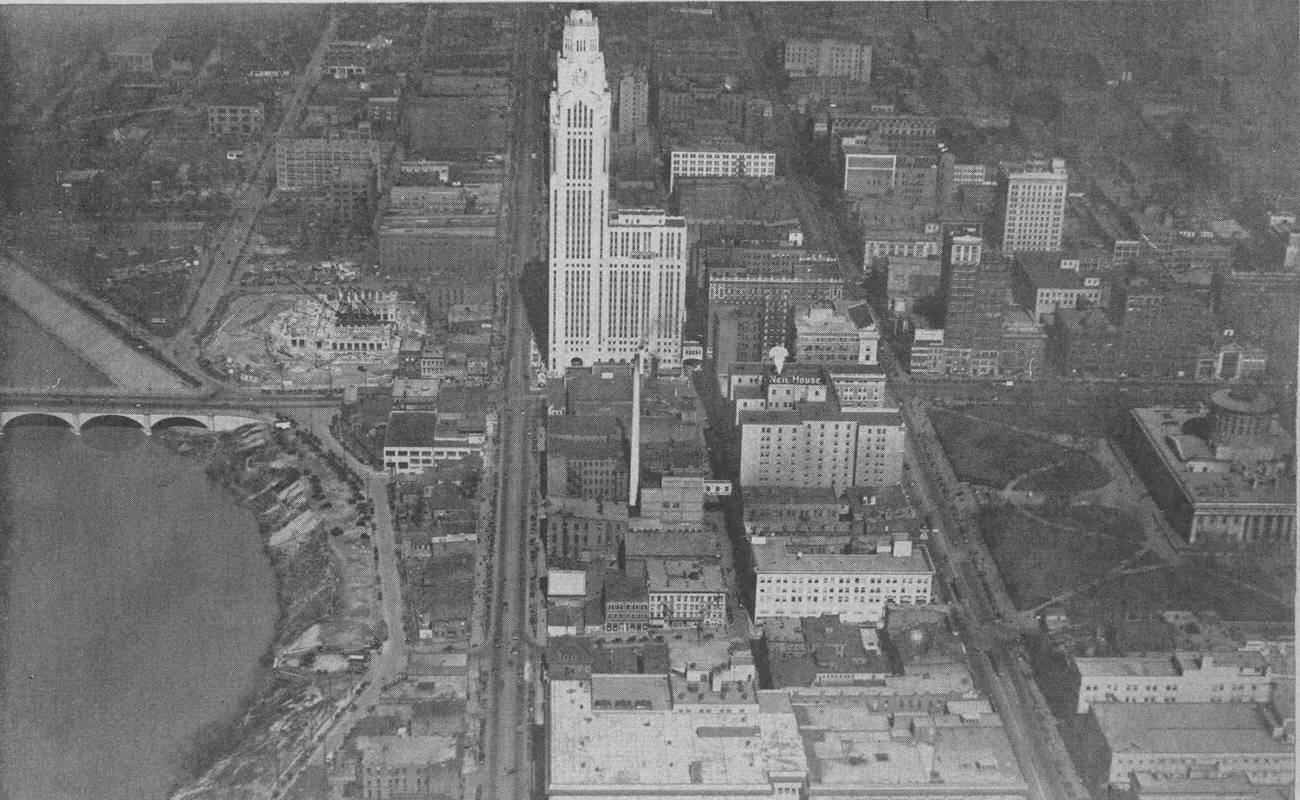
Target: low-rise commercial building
<point x="833" y="653"/>
<point x="416" y="440"/>
<point x="856" y="587"/>
<point x="1193" y="740"/>
<point x="776" y="511"/>
<point x="906" y="242"/>
<point x="906" y="178"/>
<point x="1045" y="283"/>
<point x="1184" y="677"/>
<point x="1082" y="340"/>
<point x="584" y="529"/>
<point x="686" y="592"/>
<point x="595" y="470"/>
<point x="1163" y="327"/>
<point x="895" y="132"/>
<point x="645" y="747"/>
<point x="957" y="752"/>
<point x="860" y="387"/>
<point x="835" y="333"/>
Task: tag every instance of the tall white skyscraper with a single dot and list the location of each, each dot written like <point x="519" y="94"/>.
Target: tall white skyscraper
<point x="1034" y="215"/>
<point x="617" y="283"/>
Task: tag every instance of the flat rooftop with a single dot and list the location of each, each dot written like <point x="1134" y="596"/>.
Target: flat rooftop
<point x="411" y="429"/>
<point x="1044" y="271"/>
<point x="1188" y="728"/>
<point x="1165" y="429"/>
<point x="580" y="449"/>
<point x="1138" y="666"/>
<point x="630" y="691"/>
<point x="683" y="575"/>
<point x="590" y="747"/>
<point x="855" y="372"/>
<point x="967" y="747"/>
<point x="697" y="543"/>
<point x="776" y="557"/>
<point x="415" y="750"/>
<point x="813" y="412"/>
<point x="783" y="495"/>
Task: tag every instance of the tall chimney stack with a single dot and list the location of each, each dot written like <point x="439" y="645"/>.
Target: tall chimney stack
<point x="634" y="468"/>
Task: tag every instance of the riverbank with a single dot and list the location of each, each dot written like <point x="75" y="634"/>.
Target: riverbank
<point x="315" y="523"/>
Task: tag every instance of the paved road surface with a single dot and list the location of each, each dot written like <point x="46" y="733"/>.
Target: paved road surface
<point x="1036" y="743"/>
<point x="508" y="656"/>
<point x="391" y="660"/>
<point x="219" y="265"/>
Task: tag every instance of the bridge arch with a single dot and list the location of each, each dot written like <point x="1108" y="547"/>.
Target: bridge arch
<point x="178" y="421"/>
<point x="114" y="420"/>
<point x="68" y="420"/>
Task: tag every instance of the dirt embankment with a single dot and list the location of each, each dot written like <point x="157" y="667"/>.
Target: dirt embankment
<point x="309" y="511"/>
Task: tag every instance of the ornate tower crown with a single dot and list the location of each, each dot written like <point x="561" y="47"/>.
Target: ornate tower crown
<point x="581" y="35"/>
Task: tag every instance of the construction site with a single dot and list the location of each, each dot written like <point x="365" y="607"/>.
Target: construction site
<point x="345" y="337"/>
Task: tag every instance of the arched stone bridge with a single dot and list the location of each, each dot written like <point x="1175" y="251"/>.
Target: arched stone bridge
<point x="147" y="418"/>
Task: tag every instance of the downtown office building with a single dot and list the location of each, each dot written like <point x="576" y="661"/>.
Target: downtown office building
<point x="617" y="279"/>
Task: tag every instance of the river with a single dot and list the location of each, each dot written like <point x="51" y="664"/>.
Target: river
<point x="135" y="602"/>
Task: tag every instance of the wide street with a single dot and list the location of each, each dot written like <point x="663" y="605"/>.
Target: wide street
<point x="219" y="264"/>
<point x="507" y="656"/>
<point x="984" y="610"/>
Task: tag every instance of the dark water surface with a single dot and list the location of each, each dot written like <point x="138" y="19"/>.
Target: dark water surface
<point x="31" y="357"/>
<point x="135" y="601"/>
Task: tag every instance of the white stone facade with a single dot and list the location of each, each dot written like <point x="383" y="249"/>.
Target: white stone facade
<point x="617" y="285"/>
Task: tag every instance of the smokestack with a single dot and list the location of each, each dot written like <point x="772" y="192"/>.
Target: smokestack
<point x="634" y="473"/>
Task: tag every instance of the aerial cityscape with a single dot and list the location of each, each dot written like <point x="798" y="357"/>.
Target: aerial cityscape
<point x="486" y="401"/>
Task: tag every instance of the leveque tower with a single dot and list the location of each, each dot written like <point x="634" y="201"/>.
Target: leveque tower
<point x="617" y="279"/>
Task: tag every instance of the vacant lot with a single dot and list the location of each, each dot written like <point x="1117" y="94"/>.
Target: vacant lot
<point x="988" y="454"/>
<point x="1039" y="561"/>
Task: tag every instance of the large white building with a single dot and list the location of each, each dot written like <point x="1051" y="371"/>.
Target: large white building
<point x="617" y="282"/>
<point x="857" y="587"/>
<point x="1034" y="215"/>
<point x="818" y="445"/>
<point x="630" y="736"/>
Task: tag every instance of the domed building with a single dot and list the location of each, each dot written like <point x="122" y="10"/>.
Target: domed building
<point x="1222" y="475"/>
